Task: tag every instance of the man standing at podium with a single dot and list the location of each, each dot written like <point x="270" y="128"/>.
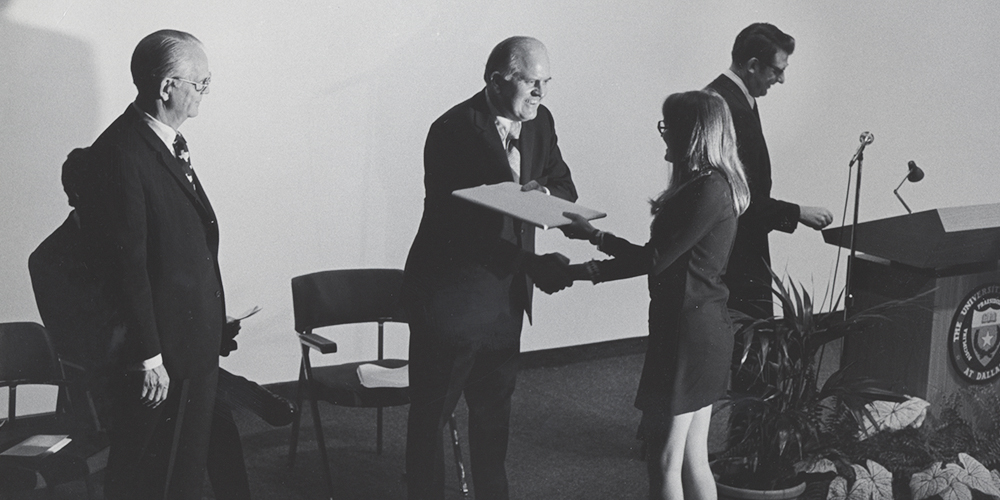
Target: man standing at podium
<point x="759" y="59"/>
<point x="468" y="277"/>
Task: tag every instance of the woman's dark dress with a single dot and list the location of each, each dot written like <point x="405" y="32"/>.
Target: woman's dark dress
<point x="690" y="333"/>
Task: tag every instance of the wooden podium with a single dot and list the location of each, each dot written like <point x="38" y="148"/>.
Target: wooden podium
<point x="946" y="259"/>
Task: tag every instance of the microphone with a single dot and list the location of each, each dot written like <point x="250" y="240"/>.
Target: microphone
<point x="913" y="175"/>
<point x="866" y="139"/>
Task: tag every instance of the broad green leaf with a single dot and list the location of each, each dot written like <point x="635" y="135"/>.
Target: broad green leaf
<point x="977" y="476"/>
<point x="838" y="489"/>
<point x="882" y="480"/>
<point x="956" y="491"/>
<point x="929" y="482"/>
<point x="817" y="467"/>
<point x="953" y="472"/>
<point x="896" y="416"/>
<point x="863" y="487"/>
<point x="874" y="480"/>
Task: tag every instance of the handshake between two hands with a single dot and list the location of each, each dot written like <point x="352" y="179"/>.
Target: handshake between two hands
<point x="552" y="272"/>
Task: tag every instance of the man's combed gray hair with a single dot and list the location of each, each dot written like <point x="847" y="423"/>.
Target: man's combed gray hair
<point x="160" y="54"/>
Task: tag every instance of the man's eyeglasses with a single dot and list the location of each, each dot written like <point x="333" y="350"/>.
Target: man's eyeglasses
<point x="661" y="127"/>
<point x="778" y="72"/>
<point x="199" y="87"/>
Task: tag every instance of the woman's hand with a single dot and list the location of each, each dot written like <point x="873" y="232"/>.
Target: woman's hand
<point x="579" y="229"/>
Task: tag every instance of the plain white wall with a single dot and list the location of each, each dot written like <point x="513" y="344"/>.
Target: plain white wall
<point x="310" y="142"/>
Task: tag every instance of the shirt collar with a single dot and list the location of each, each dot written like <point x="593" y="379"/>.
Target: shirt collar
<point x="739" y="82"/>
<point x="504" y="125"/>
<point x="165" y="132"/>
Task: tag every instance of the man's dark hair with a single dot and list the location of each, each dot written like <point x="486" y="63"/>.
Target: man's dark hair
<point x="761" y="40"/>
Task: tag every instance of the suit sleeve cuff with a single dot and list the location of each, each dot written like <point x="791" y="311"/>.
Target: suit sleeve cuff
<point x="149" y="364"/>
<point x="787" y="217"/>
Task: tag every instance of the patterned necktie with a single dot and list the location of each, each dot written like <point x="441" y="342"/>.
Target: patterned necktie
<point x="513" y="154"/>
<point x="181" y="151"/>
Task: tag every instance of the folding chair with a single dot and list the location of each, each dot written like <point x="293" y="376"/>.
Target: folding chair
<point x="27" y="357"/>
<point x="342" y="297"/>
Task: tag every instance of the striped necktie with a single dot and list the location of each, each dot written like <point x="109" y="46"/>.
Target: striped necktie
<point x="513" y="154"/>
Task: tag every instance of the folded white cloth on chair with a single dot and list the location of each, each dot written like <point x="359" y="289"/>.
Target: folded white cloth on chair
<point x="373" y="376"/>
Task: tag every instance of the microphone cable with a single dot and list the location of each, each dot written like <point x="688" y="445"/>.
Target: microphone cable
<point x="840" y="248"/>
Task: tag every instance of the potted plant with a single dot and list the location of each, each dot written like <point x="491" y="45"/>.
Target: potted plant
<point x="951" y="455"/>
<point x="783" y="417"/>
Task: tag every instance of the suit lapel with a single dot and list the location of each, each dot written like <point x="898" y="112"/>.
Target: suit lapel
<point x="735" y="98"/>
<point x="487" y="128"/>
<point x="732" y="93"/>
<point x="200" y="192"/>
<point x="166" y="160"/>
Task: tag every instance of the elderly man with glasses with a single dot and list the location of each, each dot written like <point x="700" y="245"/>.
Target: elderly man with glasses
<point x="146" y="208"/>
<point x="470" y="271"/>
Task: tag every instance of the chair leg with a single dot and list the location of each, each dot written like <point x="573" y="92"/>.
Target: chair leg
<point x="293" y="445"/>
<point x="378" y="431"/>
<point x="98" y="425"/>
<point x="459" y="464"/>
<point x="306" y="376"/>
<point x="176" y="439"/>
<point x="321" y="443"/>
<point x="91" y="491"/>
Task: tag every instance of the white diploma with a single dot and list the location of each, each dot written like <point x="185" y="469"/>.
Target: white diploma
<point x="534" y="207"/>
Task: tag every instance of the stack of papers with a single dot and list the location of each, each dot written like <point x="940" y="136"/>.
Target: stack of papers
<point x="37" y="445"/>
<point x="373" y="376"/>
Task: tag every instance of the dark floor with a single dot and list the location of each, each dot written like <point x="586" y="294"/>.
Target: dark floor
<point x="572" y="437"/>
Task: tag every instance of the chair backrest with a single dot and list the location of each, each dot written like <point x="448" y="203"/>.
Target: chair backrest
<point x="27" y="355"/>
<point x="347" y="296"/>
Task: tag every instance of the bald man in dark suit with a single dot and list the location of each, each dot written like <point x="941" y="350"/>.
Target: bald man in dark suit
<point x="469" y="274"/>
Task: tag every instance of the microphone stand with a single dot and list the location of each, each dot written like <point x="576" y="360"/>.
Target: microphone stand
<point x="849" y="298"/>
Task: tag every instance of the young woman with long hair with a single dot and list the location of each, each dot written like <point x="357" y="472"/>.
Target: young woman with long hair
<point x="690" y="335"/>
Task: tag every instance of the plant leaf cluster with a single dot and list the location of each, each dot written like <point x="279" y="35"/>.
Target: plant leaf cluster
<point x="785" y="417"/>
<point x="950" y="456"/>
<point x="952" y="481"/>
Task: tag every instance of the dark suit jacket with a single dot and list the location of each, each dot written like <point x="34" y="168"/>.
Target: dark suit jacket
<point x="73" y="298"/>
<point x="465" y="267"/>
<point x="747" y="274"/>
<point x="162" y="241"/>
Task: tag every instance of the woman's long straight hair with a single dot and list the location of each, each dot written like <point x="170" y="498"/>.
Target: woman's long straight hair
<point x="701" y="121"/>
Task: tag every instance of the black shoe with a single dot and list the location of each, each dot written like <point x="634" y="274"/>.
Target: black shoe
<point x="242" y="393"/>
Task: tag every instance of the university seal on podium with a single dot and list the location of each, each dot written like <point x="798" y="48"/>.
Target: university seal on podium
<point x="974" y="340"/>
